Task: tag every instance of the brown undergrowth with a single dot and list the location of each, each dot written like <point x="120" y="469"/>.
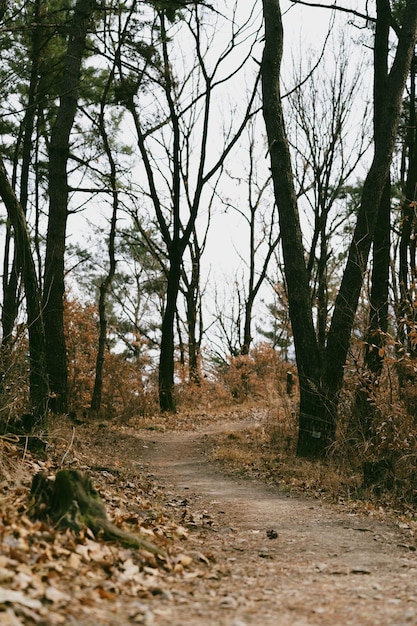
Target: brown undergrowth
<point x="247" y="411"/>
<point x="51" y="576"/>
<point x="70" y="578"/>
<point x="266" y="450"/>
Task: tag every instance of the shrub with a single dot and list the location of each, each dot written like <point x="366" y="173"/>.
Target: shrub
<point x="128" y="384"/>
<point x="260" y="374"/>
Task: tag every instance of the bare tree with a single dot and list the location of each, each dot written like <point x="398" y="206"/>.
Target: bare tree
<point x="327" y="153"/>
<point x="256" y="250"/>
<point x="321" y="378"/>
<point x="105" y="284"/>
<point x="182" y="139"/>
<point x="190" y="287"/>
<point x="376" y="333"/>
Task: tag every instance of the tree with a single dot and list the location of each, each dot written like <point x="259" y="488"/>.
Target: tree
<point x="378" y="300"/>
<point x="105" y="284"/>
<point x="181" y="130"/>
<point x="59" y="148"/>
<point x="24" y="144"/>
<point x="321" y="378"/>
<point x="407" y="266"/>
<point x="262" y="238"/>
<point x="39" y="389"/>
<point x="190" y="287"/>
<point x="276" y="326"/>
<point x="326" y="154"/>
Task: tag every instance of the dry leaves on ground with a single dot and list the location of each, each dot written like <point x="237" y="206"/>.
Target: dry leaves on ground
<point x="50" y="578"/>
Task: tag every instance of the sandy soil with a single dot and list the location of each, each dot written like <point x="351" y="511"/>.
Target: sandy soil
<point x="267" y="558"/>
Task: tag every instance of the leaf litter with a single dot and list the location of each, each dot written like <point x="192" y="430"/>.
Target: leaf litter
<point x="53" y="577"/>
<point x="221" y="570"/>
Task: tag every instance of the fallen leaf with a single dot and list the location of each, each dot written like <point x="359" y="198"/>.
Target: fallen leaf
<point x="55" y="595"/>
<point x="9" y="618"/>
<point x="74" y="560"/>
<point x="5" y="574"/>
<point x="182" y="559"/>
<point x="17" y="597"/>
<point x="105" y="594"/>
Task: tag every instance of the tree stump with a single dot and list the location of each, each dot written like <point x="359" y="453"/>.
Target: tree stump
<point x="71" y="501"/>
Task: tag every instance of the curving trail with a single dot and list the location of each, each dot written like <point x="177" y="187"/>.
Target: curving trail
<point x="270" y="560"/>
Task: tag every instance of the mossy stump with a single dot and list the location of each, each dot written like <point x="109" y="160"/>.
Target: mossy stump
<point x="71" y="501"/>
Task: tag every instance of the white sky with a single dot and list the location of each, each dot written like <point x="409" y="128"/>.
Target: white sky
<point x="305" y="31"/>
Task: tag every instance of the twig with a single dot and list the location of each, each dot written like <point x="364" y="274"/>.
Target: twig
<point x="26" y="448"/>
<point x="70" y="445"/>
<point x="10" y="438"/>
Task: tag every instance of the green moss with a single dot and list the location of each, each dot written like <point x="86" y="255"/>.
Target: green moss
<point x="71" y="501"/>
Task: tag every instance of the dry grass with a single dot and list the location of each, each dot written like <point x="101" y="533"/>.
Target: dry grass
<point x="267" y="452"/>
<point x="248" y="398"/>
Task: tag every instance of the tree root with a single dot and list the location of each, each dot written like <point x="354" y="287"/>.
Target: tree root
<point x="71" y="501"/>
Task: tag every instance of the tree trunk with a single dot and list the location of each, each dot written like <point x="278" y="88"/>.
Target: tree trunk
<point x="104" y="289"/>
<point x="378" y="318"/>
<point x="193" y="342"/>
<point x="11" y="279"/>
<point x="316" y="432"/>
<point x="320" y="384"/>
<point x="375" y="182"/>
<point x="106" y="283"/>
<point x="39" y="390"/>
<point x="166" y="358"/>
<point x="192" y="305"/>
<point x="53" y="297"/>
<point x="95" y="405"/>
<point x="71" y="501"/>
<point x="10" y="289"/>
<point x="406" y="314"/>
<point x="364" y="410"/>
<point x="247" y="324"/>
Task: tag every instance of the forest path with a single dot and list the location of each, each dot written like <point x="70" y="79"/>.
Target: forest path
<point x="275" y="559"/>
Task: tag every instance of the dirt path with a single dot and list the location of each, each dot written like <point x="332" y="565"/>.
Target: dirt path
<point x="274" y="559"/>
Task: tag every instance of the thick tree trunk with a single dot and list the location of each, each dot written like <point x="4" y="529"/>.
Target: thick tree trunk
<point x="363" y="413"/>
<point x="53" y="297"/>
<point x="71" y="501"/>
<point x="364" y="410"/>
<point x="316" y="431"/>
<point x="375" y="182"/>
<point x="320" y="386"/>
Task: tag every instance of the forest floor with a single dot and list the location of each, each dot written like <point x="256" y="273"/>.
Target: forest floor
<point x="240" y="551"/>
